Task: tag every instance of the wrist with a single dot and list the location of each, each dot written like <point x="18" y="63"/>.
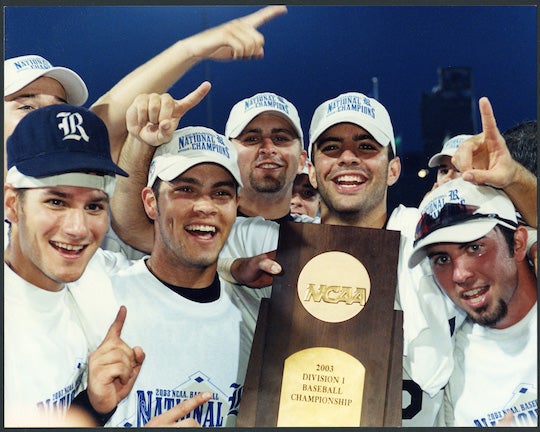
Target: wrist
<point x="83" y="401"/>
<point x="520" y="177"/>
<point x="224" y="269"/>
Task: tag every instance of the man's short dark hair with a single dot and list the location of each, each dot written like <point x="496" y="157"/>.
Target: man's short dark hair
<point x="508" y="235"/>
<point x="522" y="141"/>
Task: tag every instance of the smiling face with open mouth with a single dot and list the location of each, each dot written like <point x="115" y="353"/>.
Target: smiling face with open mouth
<point x="352" y="172"/>
<point x="269" y="154"/>
<point x="194" y="214"/>
<point x="54" y="232"/>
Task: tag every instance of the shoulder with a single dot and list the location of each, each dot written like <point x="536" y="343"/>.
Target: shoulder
<point x="251" y="236"/>
<point x="109" y="262"/>
<point x="403" y="219"/>
<point x="257" y="222"/>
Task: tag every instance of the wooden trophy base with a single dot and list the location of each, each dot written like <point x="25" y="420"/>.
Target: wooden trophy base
<point x="328" y="346"/>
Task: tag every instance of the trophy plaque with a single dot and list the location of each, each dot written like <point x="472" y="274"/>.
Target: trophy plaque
<point x="328" y="346"/>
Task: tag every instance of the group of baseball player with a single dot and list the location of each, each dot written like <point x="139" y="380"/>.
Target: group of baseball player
<point x="137" y="250"/>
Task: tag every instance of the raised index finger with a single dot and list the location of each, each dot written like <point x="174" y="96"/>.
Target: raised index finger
<point x="264" y="15"/>
<point x="185" y="104"/>
<point x="116" y="327"/>
<point x="489" y="124"/>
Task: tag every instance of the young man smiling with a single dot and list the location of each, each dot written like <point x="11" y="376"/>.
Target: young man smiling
<point x="59" y="348"/>
<point x="180" y="309"/>
<point x="56" y="198"/>
<point x="268" y="136"/>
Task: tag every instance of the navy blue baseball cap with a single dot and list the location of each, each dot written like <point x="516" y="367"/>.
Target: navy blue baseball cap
<point x="60" y="139"/>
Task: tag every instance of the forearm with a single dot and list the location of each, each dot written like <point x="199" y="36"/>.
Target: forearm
<point x="128" y="217"/>
<point x="523" y="191"/>
<point x="157" y="75"/>
<point x="238" y="38"/>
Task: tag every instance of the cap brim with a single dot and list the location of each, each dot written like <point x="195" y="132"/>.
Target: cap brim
<point x="463" y="232"/>
<point x="76" y="90"/>
<point x="174" y="165"/>
<point x="74" y="86"/>
<point x="379" y="136"/>
<point x="234" y="133"/>
<point x="435" y="160"/>
<point x="56" y="163"/>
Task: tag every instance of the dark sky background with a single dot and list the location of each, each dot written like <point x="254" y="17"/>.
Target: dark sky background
<point x="312" y="53"/>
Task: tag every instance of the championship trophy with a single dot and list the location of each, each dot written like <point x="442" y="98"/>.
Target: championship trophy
<point x="328" y="346"/>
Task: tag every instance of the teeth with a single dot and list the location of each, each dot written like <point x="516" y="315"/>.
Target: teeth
<point x="474" y="296"/>
<point x="203" y="228"/>
<point x="68" y="246"/>
<point x="349" y="179"/>
<point x="268" y="166"/>
<point x="476" y="300"/>
<point x="472" y="293"/>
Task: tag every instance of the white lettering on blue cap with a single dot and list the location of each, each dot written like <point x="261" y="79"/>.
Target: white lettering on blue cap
<point x="71" y="125"/>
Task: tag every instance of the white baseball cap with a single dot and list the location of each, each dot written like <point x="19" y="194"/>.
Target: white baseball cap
<point x="449" y="148"/>
<point x="356" y="108"/>
<point x="247" y="109"/>
<point x="460" y="212"/>
<point x="21" y="71"/>
<point x="191" y="146"/>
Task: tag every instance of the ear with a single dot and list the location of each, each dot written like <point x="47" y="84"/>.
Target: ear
<point x="311" y="174"/>
<point x="520" y="243"/>
<point x="394" y="170"/>
<point x="149" y="202"/>
<point x="11" y="201"/>
<point x="301" y="162"/>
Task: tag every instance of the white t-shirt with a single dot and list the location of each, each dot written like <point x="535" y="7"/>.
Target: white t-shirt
<point x="430" y="319"/>
<point x="113" y="243"/>
<point x="94" y="298"/>
<point x="45" y="353"/>
<point x="190" y="347"/>
<point x="249" y="237"/>
<point x="48" y="336"/>
<point x="495" y="371"/>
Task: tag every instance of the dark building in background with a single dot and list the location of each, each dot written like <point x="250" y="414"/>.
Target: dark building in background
<point x="448" y="110"/>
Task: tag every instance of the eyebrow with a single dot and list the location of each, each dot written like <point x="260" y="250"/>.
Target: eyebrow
<point x="53" y="192"/>
<point x="356" y="137"/>
<point x="329" y="138"/>
<point x="460" y="247"/>
<point x="35" y="95"/>
<point x="193" y="181"/>
<point x="273" y="131"/>
<point x="363" y="136"/>
<point x="225" y="183"/>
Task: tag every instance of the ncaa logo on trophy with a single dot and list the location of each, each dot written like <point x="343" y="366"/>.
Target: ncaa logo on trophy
<point x="334" y="286"/>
